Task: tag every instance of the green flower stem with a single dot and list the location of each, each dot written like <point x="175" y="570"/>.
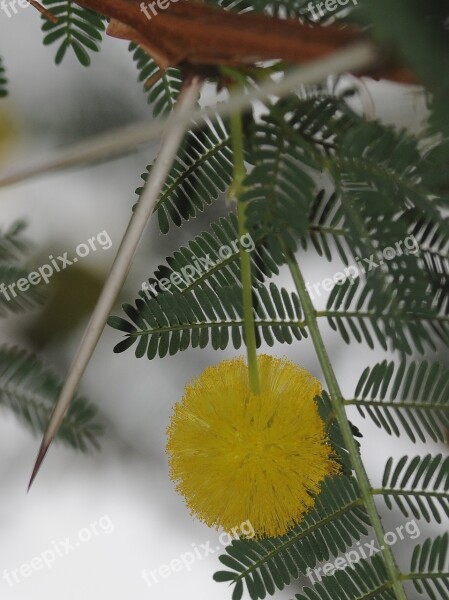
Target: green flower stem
<point x="366" y="491"/>
<point x="245" y="261"/>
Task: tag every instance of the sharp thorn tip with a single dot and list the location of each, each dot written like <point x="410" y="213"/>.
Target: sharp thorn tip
<point x="37" y="465"/>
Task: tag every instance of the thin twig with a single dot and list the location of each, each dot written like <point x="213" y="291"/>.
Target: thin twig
<point x="337" y="401"/>
<point x="355" y="58"/>
<point x="49" y="15"/>
<point x="245" y="261"/>
<point x="174" y="134"/>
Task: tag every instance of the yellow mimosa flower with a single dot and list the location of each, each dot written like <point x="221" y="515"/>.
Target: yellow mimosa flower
<point x="236" y="456"/>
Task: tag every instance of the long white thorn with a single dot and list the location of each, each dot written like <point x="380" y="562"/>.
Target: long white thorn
<point x="169" y="148"/>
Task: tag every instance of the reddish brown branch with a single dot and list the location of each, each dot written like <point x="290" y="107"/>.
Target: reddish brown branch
<point x="191" y="33"/>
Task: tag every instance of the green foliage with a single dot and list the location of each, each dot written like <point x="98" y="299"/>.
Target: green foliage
<point x="3" y="80"/>
<point x="265" y="565"/>
<point x="77" y="28"/>
<point x="13" y="251"/>
<point x="163" y="94"/>
<point x="282" y="8"/>
<point x="334" y="433"/>
<point x="430" y="568"/>
<point x="418" y="486"/>
<point x="326" y="232"/>
<point x="27" y="387"/>
<point x="386" y="190"/>
<point x="13" y="300"/>
<point x="353" y="311"/>
<point x="212" y="258"/>
<point x="200" y="173"/>
<point x="422" y="40"/>
<point x="279" y="191"/>
<point x="174" y="321"/>
<point x="13" y="245"/>
<point x="204" y="304"/>
<point x="30" y="390"/>
<point x="291" y="142"/>
<point x="407" y="397"/>
<point x="366" y="579"/>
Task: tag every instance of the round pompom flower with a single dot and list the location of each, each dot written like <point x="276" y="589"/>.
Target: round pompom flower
<point x="236" y="456"/>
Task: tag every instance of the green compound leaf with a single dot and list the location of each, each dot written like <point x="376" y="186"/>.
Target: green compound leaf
<point x="418" y="486"/>
<point x="31" y="390"/>
<point x="77" y="28"/>
<point x="3" y="80"/>
<point x="430" y="568"/>
<point x="336" y="521"/>
<point x="200" y="173"/>
<point x="406" y="397"/>
<point x="164" y="92"/>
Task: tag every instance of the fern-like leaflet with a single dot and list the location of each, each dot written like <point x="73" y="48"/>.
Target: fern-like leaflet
<point x="77" y="28"/>
<point x="3" y="80"/>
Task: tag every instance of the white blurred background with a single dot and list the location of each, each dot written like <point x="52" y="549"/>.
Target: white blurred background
<point x="127" y="483"/>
